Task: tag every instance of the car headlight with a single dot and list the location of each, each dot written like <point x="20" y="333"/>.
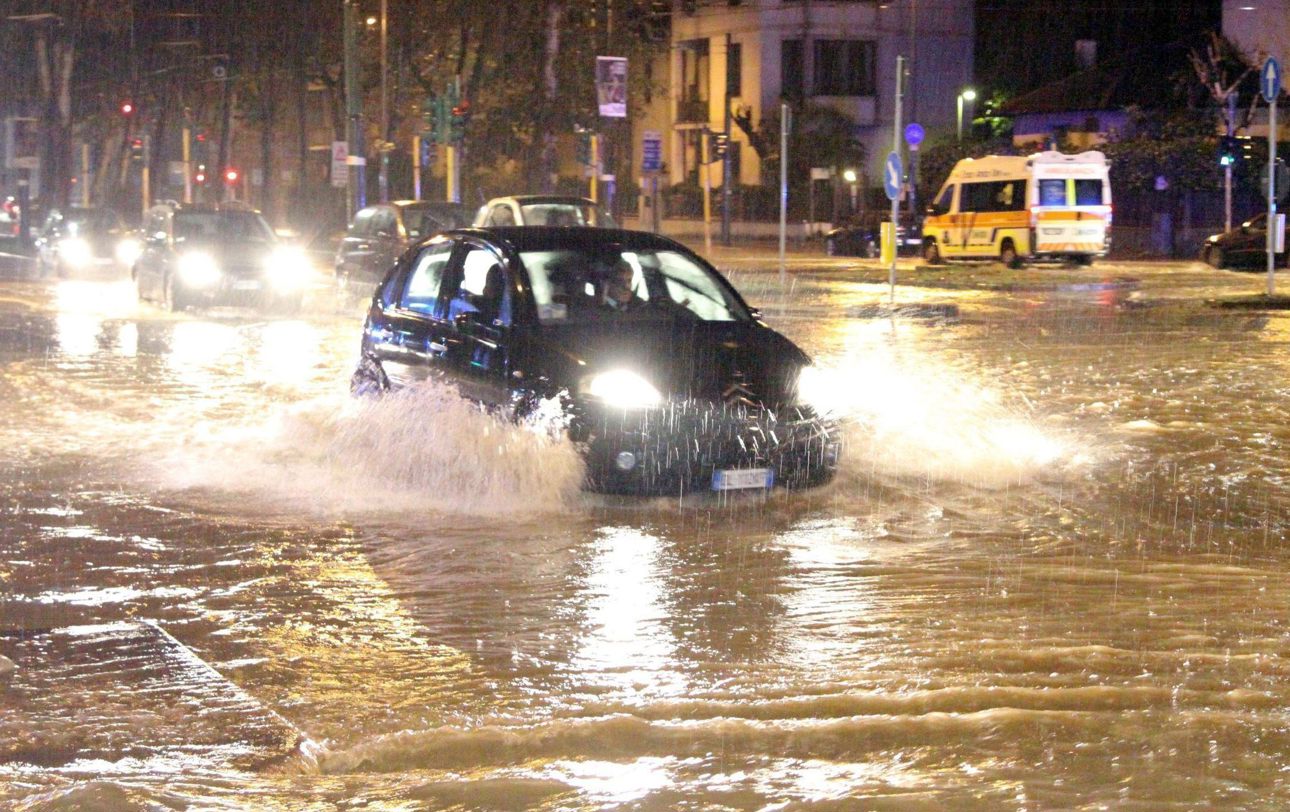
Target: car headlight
<point x="624" y="389"/>
<point x="819" y="389"/>
<point x="288" y="269"/>
<point x="74" y="251"/>
<point x="198" y="269"/>
<point x="128" y="251"/>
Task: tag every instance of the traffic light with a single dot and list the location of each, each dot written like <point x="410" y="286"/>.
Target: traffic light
<point x="718" y="143"/>
<point x="1229" y="150"/>
<point x="430" y="117"/>
<point x="230" y="176"/>
<point x="200" y="176"/>
<point x="136" y="148"/>
<point x="460" y="116"/>
<point x="127" y="107"/>
<point x="583" y="148"/>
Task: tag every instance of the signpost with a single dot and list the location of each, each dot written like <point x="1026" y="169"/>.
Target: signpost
<point x="651" y="165"/>
<point x="1270" y="85"/>
<point x="893" y="174"/>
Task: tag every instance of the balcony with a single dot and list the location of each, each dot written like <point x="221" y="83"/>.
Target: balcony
<point x="692" y="111"/>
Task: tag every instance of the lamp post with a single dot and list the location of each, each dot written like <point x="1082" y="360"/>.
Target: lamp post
<point x="850" y="177"/>
<point x="967" y="94"/>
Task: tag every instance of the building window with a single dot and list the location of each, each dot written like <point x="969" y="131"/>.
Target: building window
<point x="734" y="69"/>
<point x="844" y="67"/>
<point x="790" y="68"/>
<point x="694" y="70"/>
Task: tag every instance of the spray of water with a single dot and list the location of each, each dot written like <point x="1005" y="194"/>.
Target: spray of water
<point x="422" y="448"/>
<point x="919" y="419"/>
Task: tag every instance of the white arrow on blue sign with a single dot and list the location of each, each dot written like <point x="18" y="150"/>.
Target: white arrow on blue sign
<point x="1270" y="80"/>
<point x="892" y="175"/>
<point x="914" y="133"/>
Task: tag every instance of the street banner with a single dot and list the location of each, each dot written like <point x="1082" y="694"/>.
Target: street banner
<point x="339" y="164"/>
<point x="611" y="86"/>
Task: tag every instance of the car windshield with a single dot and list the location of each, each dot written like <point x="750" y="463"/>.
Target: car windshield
<point x="222" y="226"/>
<point x="422" y="221"/>
<point x="565" y="214"/>
<point x="578" y="285"/>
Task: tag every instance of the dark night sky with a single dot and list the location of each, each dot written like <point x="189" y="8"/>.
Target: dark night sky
<point x="1022" y="44"/>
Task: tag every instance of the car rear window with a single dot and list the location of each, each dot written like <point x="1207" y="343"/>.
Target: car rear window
<point x="1088" y="192"/>
<point x="1052" y="192"/>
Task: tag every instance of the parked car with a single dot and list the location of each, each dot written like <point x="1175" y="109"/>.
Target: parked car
<point x="74" y="239"/>
<point x="380" y="233"/>
<point x="669" y="381"/>
<point x="862" y="237"/>
<point x="195" y="256"/>
<point x="542" y="210"/>
<point x="1245" y="246"/>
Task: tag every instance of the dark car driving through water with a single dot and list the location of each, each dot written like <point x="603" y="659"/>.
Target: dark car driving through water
<point x="668" y="380"/>
<point x="196" y="256"/>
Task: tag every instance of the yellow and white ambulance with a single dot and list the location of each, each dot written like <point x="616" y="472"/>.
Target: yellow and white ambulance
<point x="1014" y="207"/>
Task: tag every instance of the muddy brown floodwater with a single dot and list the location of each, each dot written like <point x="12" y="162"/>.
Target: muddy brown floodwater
<point x="1051" y="574"/>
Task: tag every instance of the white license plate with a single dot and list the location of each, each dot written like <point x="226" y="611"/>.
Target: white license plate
<point x="246" y="284"/>
<point x="739" y="478"/>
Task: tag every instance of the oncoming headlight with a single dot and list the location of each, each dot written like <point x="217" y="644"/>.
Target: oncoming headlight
<point x="74" y="251"/>
<point x="198" y="269"/>
<point x="288" y="268"/>
<point x="624" y="389"/>
<point x="127" y="251"/>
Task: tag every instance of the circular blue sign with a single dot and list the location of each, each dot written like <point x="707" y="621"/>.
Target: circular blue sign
<point x="914" y="134"/>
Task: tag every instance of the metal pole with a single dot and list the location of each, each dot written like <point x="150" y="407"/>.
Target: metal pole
<point x="959" y="126"/>
<point x="416" y="167"/>
<point x="383" y="179"/>
<point x="784" y="124"/>
<point x="725" y="159"/>
<point x="355" y="199"/>
<point x="895" y="147"/>
<point x="186" y="146"/>
<point x="1272" y="194"/>
<point x="1227" y="170"/>
<point x="705" y="150"/>
<point x="594" y="149"/>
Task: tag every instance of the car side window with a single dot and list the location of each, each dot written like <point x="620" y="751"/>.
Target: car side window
<point x="482" y="288"/>
<point x="362" y="225"/>
<point x="422" y="292"/>
<point x="501" y="216"/>
<point x="383" y="224"/>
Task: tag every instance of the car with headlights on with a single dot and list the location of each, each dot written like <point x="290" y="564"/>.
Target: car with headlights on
<point x="198" y="256"/>
<point x="666" y="380"/>
<point x="1245" y="246"/>
<point x="83" y="238"/>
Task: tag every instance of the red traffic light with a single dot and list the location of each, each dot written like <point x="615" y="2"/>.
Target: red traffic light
<point x="126" y="108"/>
<point x="200" y="177"/>
<point x="230" y="176"/>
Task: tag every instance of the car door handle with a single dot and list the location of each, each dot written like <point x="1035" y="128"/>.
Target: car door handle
<point x="364" y="246"/>
<point x="436" y="348"/>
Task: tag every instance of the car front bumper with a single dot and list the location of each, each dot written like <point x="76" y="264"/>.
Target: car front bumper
<point x="696" y="446"/>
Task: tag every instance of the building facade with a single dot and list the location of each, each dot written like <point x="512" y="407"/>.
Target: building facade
<point x="729" y="56"/>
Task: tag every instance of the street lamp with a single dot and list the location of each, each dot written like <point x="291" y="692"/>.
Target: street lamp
<point x="968" y="94"/>
<point x="850" y="177"/>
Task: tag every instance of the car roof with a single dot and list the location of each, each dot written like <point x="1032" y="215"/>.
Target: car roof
<point x="525" y="200"/>
<point x="541" y="238"/>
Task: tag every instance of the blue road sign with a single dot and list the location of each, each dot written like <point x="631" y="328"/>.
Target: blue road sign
<point x="914" y="134"/>
<point x="892" y="175"/>
<point x="651" y="152"/>
<point x="1270" y="80"/>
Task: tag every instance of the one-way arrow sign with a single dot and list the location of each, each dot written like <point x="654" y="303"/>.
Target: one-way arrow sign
<point x="1270" y="80"/>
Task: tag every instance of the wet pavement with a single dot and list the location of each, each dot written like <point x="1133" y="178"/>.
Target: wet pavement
<point x="1051" y="573"/>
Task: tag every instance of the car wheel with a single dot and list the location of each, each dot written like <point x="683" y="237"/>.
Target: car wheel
<point x="831" y="247"/>
<point x="931" y="252"/>
<point x="870" y="249"/>
<point x="1215" y="256"/>
<point x="1008" y="255"/>
<point x="369" y="379"/>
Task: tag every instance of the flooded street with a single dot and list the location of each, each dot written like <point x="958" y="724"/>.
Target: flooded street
<point x="1050" y="575"/>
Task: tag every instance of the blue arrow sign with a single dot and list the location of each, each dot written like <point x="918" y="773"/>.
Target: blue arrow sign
<point x="892" y="174"/>
<point x="1270" y="80"/>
